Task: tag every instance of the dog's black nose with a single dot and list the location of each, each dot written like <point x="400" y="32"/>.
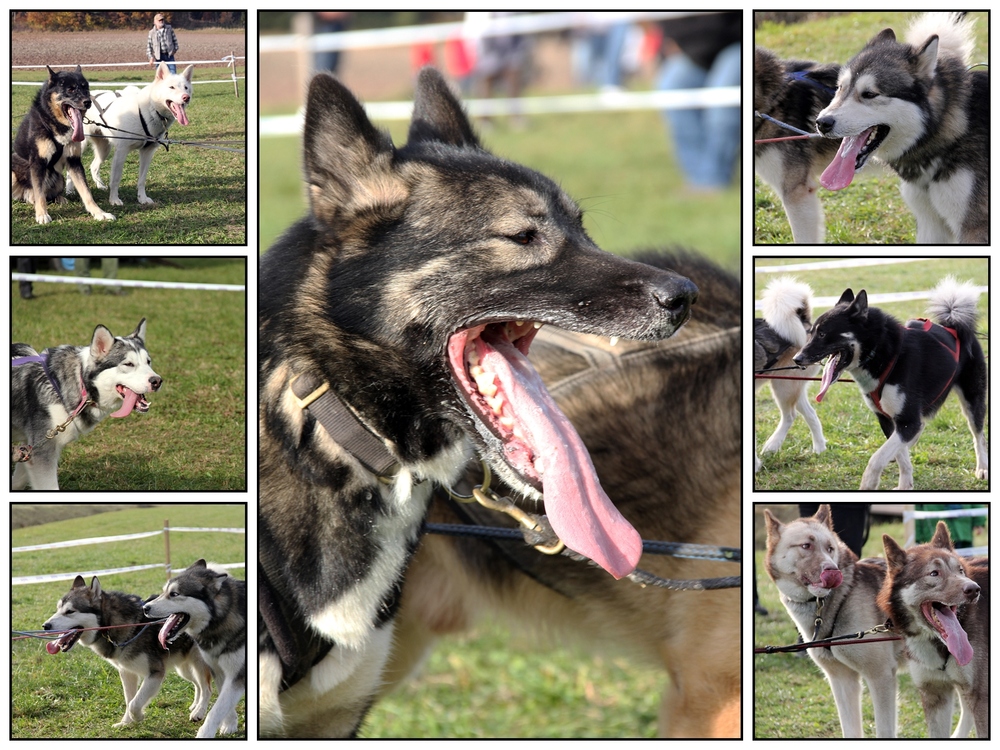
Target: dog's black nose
<point x="676" y="294"/>
<point x="155" y="382"/>
<point x="800" y="360"/>
<point x="47" y="626"/>
<point x="825" y="124"/>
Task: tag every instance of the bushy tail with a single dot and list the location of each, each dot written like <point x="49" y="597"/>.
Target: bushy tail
<point x="955" y="304"/>
<point x="954" y="30"/>
<point x="787" y="307"/>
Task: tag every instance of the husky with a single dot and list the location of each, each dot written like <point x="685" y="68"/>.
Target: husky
<point x="828" y="592"/>
<point x="940" y="602"/>
<point x="793" y="92"/>
<point x="49" y="142"/>
<point x="917" y="107"/>
<point x="787" y="307"/>
<point x="135" y="112"/>
<point x="134" y="651"/>
<point x="659" y="391"/>
<point x="905" y="372"/>
<point x="210" y="606"/>
<point x="64" y="392"/>
<point x="395" y="321"/>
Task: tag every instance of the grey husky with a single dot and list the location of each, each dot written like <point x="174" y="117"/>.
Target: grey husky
<point x="919" y="108"/>
<point x="829" y="592"/>
<point x="148" y="112"/>
<point x="64" y="392"/>
<point x="134" y="651"/>
<point x="210" y="606"/>
<point x="940" y="602"/>
<point x="395" y="321"/>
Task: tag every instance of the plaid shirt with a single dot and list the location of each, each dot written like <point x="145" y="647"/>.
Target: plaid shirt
<point x="161" y="42"/>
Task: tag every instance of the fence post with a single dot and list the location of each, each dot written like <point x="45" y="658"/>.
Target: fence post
<point x="166" y="541"/>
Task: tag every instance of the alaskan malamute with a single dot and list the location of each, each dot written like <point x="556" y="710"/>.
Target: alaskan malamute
<point x="62" y="393"/>
<point x="210" y="606"/>
<point x="919" y="108"/>
<point x="134" y="652"/>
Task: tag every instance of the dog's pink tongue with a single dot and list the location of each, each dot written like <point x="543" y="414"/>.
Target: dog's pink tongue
<point x="580" y="512"/>
<point x="165" y="630"/>
<point x="829" y="375"/>
<point x="131" y="397"/>
<point x="839" y="174"/>
<point x="77" y="119"/>
<point x="179" y="113"/>
<point x="955" y="637"/>
<point x="831" y="579"/>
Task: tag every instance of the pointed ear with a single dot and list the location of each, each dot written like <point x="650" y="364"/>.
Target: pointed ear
<point x="942" y="537"/>
<point x="773" y="524"/>
<point x="859" y="308"/>
<point x="438" y="115"/>
<point x="348" y="161"/>
<point x="79" y="583"/>
<point x="895" y="556"/>
<point x="885" y="36"/>
<point x="101" y="343"/>
<point x="847" y="296"/>
<point x="825" y="516"/>
<point x="139" y="332"/>
<point x="926" y="59"/>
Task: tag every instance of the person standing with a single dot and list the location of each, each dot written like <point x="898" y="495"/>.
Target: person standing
<point x="161" y="44"/>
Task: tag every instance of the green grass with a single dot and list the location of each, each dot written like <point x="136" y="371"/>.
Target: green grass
<point x="194" y="435"/>
<point x="871" y="211"/>
<point x="943" y="458"/>
<point x="78" y="694"/>
<point x="200" y="194"/>
<point x="620" y="167"/>
<point x="791" y="695"/>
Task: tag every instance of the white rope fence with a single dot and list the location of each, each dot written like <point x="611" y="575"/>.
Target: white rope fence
<point x="126" y="282"/>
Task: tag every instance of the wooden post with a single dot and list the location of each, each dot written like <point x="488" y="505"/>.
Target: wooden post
<point x="236" y="86"/>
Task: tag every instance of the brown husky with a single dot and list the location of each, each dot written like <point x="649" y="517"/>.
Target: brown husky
<point x="829" y="592"/>
<point x="671" y="465"/>
<point x="941" y="603"/>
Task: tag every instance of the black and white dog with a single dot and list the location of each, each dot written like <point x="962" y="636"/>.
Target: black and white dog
<point x="906" y="371"/>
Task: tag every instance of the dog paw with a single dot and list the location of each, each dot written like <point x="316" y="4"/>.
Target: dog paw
<point x="982" y="474"/>
<point x="114" y="200"/>
<point x="43" y="218"/>
<point x="102" y="216"/>
<point x="146" y="200"/>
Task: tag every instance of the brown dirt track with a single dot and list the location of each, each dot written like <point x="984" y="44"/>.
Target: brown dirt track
<point x="69" y="47"/>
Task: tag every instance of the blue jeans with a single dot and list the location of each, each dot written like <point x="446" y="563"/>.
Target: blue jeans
<point x="169" y="59"/>
<point x="707" y="140"/>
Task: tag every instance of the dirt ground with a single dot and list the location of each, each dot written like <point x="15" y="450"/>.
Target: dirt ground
<point x="68" y="47"/>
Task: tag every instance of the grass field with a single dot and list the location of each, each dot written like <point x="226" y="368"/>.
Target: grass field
<point x="943" y="458"/>
<point x="871" y="211"/>
<point x="194" y="435"/>
<point x="620" y="167"/>
<point x="200" y="194"/>
<point x="790" y="693"/>
<point x="77" y="694"/>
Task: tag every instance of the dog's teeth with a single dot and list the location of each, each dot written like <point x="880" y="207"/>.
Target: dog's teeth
<point x="614" y="340"/>
<point x="484" y="382"/>
<point x="495" y="403"/>
<point x="507" y="422"/>
<point x="537" y="325"/>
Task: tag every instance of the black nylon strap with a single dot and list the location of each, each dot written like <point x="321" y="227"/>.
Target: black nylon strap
<point x="343" y="425"/>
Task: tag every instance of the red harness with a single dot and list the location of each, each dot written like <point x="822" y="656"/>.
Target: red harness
<point x="935" y="330"/>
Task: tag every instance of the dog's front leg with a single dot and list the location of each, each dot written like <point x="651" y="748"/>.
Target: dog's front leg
<point x="130" y="685"/>
<point x="38" y="193"/>
<point x="145" y="159"/>
<point x="880" y="459"/>
<point x="74" y="166"/>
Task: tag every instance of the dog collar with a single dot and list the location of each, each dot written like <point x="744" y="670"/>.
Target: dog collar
<point x="342" y="424"/>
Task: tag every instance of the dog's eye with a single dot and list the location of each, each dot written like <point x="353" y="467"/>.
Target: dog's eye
<point x="869" y="94"/>
<point x="523" y="238"/>
<point x="934" y="573"/>
<point x="807" y="545"/>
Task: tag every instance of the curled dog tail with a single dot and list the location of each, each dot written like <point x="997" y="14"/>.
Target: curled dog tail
<point x="954" y="30"/>
<point x="955" y="304"/>
<point x="787" y="307"/>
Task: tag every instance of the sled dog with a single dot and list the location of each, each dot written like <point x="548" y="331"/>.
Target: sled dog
<point x="134" y="652"/>
<point x="73" y="387"/>
<point x="905" y="372"/>
<point x="829" y="592"/>
<point x="918" y="107"/>
<point x="210" y="606"/>
<point x="940" y="602"/>
<point x="395" y="323"/>
<point x="49" y="142"/>
<point x="148" y="112"/>
<point x="787" y="308"/>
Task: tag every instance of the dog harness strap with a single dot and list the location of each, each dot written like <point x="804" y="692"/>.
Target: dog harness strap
<point x="876" y="395"/>
<point x="342" y="424"/>
<point x="42" y="360"/>
<point x="149" y="136"/>
<point x="943" y="335"/>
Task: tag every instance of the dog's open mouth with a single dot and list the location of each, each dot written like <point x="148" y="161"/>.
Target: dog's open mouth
<point x="178" y="111"/>
<point x="851" y="156"/>
<point x="945" y="621"/>
<point x="172" y="628"/>
<point x="508" y="399"/>
<point x="132" y="400"/>
<point x="75" y="117"/>
<point x="835" y="365"/>
<point x="64" y="642"/>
